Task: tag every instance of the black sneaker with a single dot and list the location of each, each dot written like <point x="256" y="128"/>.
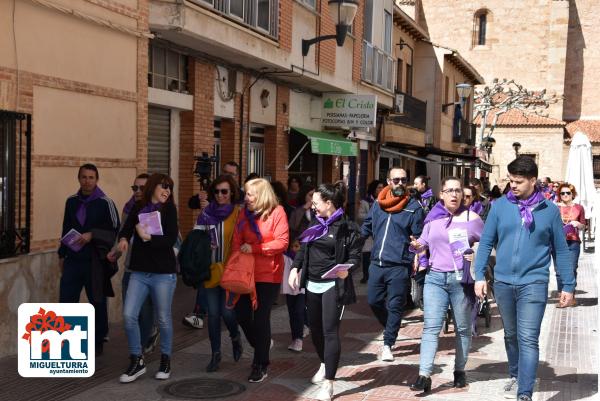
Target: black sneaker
<point x="258" y="374"/>
<point x="164" y="370"/>
<point x="136" y="368"/>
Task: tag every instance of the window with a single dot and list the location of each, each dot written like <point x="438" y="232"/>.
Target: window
<point x="446" y="92"/>
<point x="596" y="167"/>
<point x="387" y="39"/>
<point x="256" y="159"/>
<point x="399" y="75"/>
<point x="368" y="22"/>
<point x="261" y="15"/>
<point x="409" y="79"/>
<point x="167" y="69"/>
<point x="480" y="28"/>
<point x="309" y="3"/>
<point x="15" y="183"/>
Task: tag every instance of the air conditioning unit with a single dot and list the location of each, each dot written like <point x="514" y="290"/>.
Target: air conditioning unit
<point x="399" y="103"/>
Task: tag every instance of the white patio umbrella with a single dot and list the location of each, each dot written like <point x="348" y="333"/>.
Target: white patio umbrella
<point x="580" y="171"/>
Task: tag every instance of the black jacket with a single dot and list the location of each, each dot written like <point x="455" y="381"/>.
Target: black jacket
<point x="347" y="250"/>
<point x="102" y="269"/>
<point x="156" y="255"/>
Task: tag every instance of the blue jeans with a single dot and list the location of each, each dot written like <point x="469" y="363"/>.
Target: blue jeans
<point x="161" y="288"/>
<point x="442" y="289"/>
<point x="77" y="274"/>
<point x="146" y="317"/>
<point x="522" y="310"/>
<point x="201" y="302"/>
<point x="216" y="309"/>
<point x="387" y="290"/>
<point x="575" y="248"/>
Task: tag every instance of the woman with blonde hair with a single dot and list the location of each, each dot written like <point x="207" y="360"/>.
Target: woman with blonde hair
<point x="261" y="230"/>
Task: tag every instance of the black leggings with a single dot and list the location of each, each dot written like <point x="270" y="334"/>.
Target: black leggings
<point x="257" y="324"/>
<point x="324" y="322"/>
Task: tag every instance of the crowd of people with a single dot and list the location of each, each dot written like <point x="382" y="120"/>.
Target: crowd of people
<point x="300" y="240"/>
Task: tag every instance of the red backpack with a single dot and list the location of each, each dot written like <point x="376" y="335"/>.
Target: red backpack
<point x="238" y="278"/>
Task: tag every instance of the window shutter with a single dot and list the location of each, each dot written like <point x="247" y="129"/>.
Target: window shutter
<point x="159" y="140"/>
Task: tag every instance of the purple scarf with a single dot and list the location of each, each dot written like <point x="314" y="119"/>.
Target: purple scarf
<point x="251" y="217"/>
<point x="81" y="213"/>
<point x="526" y="206"/>
<point x="129" y="205"/>
<point x="150" y="207"/>
<point x="214" y="214"/>
<point x="425" y="197"/>
<point x="476" y="207"/>
<point x="439" y="211"/>
<point x="318" y="230"/>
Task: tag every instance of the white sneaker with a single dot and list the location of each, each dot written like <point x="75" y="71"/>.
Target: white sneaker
<point x="296" y="345"/>
<point x="386" y="354"/>
<point x="305" y="331"/>
<point x="326" y="391"/>
<point x="510" y="388"/>
<point x="193" y="321"/>
<point x="319" y="376"/>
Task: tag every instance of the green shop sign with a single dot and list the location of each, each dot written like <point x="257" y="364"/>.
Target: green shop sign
<point x="348" y="111"/>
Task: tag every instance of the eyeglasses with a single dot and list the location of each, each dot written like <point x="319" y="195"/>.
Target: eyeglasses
<point x="456" y="191"/>
<point x="468" y="196"/>
<point x="223" y="191"/>
<point x="565" y="193"/>
<point x="135" y="188"/>
<point x="398" y="180"/>
<point x="165" y="185"/>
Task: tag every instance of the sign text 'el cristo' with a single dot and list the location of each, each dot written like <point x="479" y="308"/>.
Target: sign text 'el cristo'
<point x="353" y="111"/>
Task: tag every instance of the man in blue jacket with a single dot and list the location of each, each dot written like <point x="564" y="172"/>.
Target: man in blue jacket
<point x="86" y="212"/>
<point x="393" y="218"/>
<point x="524" y="227"/>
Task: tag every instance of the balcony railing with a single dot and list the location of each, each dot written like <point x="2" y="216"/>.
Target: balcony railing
<point x="464" y="133"/>
<point x="377" y="67"/>
<point x="260" y="15"/>
<point x="410" y="111"/>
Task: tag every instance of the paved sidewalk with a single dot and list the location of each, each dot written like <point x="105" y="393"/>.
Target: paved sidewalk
<point x="568" y="368"/>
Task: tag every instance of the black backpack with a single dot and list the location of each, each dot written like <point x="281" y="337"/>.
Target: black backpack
<point x="195" y="258"/>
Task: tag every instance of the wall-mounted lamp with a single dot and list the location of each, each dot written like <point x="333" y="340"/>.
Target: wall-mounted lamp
<point x="464" y="91"/>
<point x="487" y="144"/>
<point x="516" y="146"/>
<point x="264" y="98"/>
<point x="342" y="12"/>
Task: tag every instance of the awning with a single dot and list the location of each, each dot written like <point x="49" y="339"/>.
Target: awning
<point x="463" y="160"/>
<point x="328" y="143"/>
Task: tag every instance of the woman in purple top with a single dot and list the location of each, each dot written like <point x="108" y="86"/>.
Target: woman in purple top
<point x="450" y="229"/>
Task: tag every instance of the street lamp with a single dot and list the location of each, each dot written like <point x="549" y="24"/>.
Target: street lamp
<point x="464" y="91"/>
<point x="342" y="12"/>
<point x="516" y="146"/>
<point x="488" y="143"/>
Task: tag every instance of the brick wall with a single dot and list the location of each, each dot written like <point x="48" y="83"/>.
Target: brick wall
<point x="327" y="48"/>
<point x="276" y="139"/>
<point x="196" y="135"/>
<point x="358" y="34"/>
<point x="285" y="24"/>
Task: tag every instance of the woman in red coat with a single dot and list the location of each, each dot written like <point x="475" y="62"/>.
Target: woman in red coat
<point x="262" y="230"/>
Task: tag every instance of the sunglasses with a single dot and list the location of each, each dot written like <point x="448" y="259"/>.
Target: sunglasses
<point x="165" y="185"/>
<point x="136" y="188"/>
<point x="398" y="180"/>
<point x="223" y="191"/>
<point x="565" y="193"/>
<point x="468" y="196"/>
<point x="456" y="191"/>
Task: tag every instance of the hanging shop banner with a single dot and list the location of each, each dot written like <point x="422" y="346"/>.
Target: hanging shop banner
<point x="348" y="111"/>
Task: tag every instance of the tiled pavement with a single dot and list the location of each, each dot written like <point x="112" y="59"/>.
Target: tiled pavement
<point x="568" y="353"/>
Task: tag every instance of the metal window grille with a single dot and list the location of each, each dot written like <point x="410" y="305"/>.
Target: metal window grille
<point x="261" y="15"/>
<point x="15" y="183"/>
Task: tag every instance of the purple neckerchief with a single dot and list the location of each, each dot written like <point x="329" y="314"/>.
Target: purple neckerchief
<point x="476" y="207"/>
<point x="525" y="206"/>
<point x="425" y="197"/>
<point x="318" y="230"/>
<point x="81" y="213"/>
<point x="214" y="214"/>
<point x="150" y="207"/>
<point x="251" y="217"/>
<point x="129" y="205"/>
<point x="439" y="211"/>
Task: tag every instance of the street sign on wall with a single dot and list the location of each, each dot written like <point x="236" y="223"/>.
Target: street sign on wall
<point x="348" y="111"/>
